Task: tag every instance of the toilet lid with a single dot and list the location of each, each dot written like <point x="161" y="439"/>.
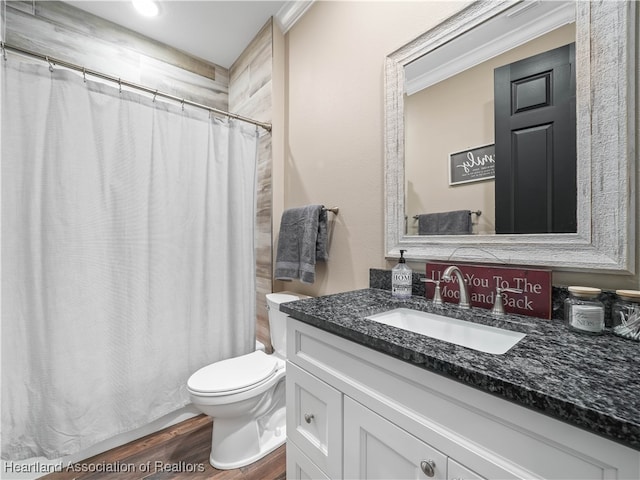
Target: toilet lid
<point x="238" y="373"/>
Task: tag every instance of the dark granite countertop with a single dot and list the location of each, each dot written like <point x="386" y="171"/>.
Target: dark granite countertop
<point x="592" y="382"/>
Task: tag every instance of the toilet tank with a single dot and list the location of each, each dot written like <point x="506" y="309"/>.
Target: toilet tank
<point x="278" y="320"/>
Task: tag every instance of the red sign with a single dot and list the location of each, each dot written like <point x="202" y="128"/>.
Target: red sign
<point x="482" y="280"/>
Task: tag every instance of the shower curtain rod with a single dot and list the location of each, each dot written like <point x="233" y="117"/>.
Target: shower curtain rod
<point x="85" y="71"/>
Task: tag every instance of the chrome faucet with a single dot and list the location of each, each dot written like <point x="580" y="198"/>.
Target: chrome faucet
<point x="462" y="285"/>
<point x="498" y="305"/>
<point x="437" y="297"/>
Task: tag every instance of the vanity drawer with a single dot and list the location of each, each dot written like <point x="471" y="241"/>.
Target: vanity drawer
<point x="455" y="471"/>
<point x="314" y="419"/>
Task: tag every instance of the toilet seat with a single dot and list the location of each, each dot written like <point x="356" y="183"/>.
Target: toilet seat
<point x="233" y="375"/>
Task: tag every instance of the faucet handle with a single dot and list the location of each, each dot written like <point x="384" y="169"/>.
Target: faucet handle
<point x="498" y="305"/>
<point x="437" y="298"/>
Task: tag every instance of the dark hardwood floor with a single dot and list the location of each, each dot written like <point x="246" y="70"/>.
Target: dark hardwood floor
<point x="177" y="452"/>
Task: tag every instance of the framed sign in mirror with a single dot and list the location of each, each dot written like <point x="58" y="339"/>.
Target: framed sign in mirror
<point x="473" y="165"/>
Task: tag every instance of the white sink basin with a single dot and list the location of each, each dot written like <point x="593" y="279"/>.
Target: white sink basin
<point x="467" y="334"/>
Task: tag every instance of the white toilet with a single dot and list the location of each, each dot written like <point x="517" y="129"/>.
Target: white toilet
<point x="245" y="396"/>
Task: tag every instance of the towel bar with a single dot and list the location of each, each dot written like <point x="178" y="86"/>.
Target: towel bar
<point x="333" y="210"/>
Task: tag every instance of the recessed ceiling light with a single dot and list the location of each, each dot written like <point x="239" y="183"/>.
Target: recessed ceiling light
<point x="148" y="8"/>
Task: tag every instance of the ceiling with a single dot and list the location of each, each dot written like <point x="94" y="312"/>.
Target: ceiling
<point x="214" y="30"/>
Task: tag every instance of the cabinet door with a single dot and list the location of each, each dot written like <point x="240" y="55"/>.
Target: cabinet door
<point x="375" y="448"/>
<point x="460" y="472"/>
<point x="300" y="467"/>
<point x="314" y="419"/>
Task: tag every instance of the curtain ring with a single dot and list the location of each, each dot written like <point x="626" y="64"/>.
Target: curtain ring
<point x="119" y="85"/>
<point x="4" y="51"/>
<point x="154" y="96"/>
<point x="84" y="74"/>
<point x="182" y="104"/>
<point x="50" y="64"/>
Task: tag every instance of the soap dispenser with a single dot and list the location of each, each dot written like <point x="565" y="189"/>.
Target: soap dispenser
<point x="401" y="277"/>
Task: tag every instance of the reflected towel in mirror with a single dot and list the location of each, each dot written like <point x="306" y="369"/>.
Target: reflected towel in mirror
<point x="456" y="222"/>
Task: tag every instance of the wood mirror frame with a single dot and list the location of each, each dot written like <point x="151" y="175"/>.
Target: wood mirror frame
<point x="606" y="164"/>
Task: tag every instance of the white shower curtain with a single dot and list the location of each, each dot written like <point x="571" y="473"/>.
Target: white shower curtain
<point x="127" y="256"/>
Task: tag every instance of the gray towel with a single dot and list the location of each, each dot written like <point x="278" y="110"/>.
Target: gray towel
<point x="457" y="222"/>
<point x="302" y="241"/>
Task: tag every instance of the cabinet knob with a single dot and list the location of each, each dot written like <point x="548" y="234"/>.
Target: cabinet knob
<point x="428" y="467"/>
<point x="308" y="417"/>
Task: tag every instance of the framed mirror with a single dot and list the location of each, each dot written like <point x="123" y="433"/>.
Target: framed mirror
<point x="605" y="141"/>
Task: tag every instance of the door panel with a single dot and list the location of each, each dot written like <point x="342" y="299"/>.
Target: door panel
<point x="535" y="125"/>
<point x="532" y="153"/>
<point x="531" y="93"/>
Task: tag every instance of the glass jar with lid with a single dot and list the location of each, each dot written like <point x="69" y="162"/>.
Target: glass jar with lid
<point x="626" y="307"/>
<point x="583" y="311"/>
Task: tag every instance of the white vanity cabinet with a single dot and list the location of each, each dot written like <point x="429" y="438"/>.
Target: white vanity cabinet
<point x="353" y="412"/>
<point x="300" y="466"/>
<point x="375" y="448"/>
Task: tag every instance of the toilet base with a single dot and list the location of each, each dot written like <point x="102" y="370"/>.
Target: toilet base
<point x="269" y="447"/>
<point x="237" y="442"/>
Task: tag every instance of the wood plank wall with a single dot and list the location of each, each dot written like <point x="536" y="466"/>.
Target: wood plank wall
<point x="59" y="30"/>
<point x="250" y="94"/>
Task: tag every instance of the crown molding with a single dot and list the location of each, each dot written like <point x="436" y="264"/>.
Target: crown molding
<point x="494" y="37"/>
<point x="291" y="12"/>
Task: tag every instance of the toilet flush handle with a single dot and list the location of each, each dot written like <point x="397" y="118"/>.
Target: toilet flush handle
<point x="308" y="417"/>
